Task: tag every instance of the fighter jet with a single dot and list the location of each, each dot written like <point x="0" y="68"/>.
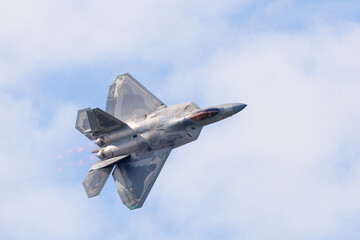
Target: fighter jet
<point x="136" y="134"/>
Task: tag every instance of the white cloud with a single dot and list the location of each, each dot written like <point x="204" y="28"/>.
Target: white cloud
<point x="53" y="34"/>
<point x="33" y="202"/>
<point x="288" y="164"/>
<point x="48" y="212"/>
<point x="285" y="167"/>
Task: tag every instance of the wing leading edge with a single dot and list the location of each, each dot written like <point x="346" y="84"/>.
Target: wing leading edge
<point x="135" y="177"/>
<point x="128" y="99"/>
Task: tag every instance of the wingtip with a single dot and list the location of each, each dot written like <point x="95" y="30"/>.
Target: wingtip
<point x="120" y="76"/>
<point x="132" y="206"/>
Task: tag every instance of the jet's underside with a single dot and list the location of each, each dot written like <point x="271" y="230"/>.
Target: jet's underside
<point x="136" y="134"/>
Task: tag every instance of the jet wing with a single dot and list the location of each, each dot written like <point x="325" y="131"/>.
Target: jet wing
<point x="134" y="177"/>
<point x="128" y="99"/>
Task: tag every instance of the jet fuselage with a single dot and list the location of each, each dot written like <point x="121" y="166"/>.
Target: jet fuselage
<point x="136" y="134"/>
<point x="172" y="127"/>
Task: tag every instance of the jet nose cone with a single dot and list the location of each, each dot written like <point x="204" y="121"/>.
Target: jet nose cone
<point x="237" y="107"/>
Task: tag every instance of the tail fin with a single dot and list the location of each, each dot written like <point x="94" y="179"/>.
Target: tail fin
<point x="82" y="122"/>
<point x="94" y="122"/>
<point x="101" y="121"/>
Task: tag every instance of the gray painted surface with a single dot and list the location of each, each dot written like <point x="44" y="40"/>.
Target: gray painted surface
<point x="136" y="135"/>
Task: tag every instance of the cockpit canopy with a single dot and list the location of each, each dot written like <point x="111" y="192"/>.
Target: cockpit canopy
<point x="204" y="114"/>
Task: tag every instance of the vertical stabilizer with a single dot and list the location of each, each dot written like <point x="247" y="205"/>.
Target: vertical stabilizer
<point x="82" y="123"/>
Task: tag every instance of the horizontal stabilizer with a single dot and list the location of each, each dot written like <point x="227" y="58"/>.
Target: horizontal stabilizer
<point x="101" y="121"/>
<point x="98" y="174"/>
<point x="107" y="162"/>
<point x="95" y="180"/>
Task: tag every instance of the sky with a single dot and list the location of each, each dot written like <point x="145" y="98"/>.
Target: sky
<point x="286" y="167"/>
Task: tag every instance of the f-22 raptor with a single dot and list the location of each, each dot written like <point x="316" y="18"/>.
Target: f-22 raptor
<point x="136" y="134"/>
